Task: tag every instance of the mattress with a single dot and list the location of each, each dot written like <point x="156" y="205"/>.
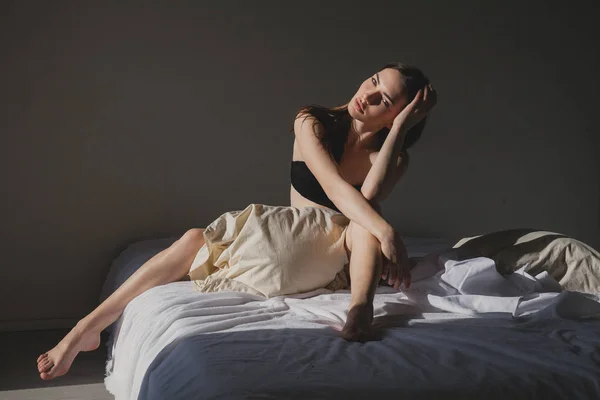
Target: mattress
<point x="173" y="342"/>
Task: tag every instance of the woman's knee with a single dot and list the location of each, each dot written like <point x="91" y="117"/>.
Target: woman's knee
<point x="361" y="235"/>
<point x="360" y="238"/>
<point x="194" y="236"/>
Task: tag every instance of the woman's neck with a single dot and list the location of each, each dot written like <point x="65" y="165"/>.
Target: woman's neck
<point x="359" y="135"/>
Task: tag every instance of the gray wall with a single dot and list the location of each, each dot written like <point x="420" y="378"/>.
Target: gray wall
<point x="125" y="122"/>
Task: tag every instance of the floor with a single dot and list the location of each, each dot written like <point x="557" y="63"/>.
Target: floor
<point x="20" y="380"/>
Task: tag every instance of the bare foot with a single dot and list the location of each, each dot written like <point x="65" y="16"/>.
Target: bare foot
<point x="358" y="324"/>
<point x="57" y="361"/>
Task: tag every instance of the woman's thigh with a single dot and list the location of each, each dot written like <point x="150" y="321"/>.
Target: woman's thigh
<point x="348" y="239"/>
<point x="190" y="242"/>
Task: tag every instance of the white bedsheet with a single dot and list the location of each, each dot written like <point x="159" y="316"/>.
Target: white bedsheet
<point x="484" y="305"/>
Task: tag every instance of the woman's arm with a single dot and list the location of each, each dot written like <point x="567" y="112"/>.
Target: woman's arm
<point x="346" y="198"/>
<point x="386" y="171"/>
<point x="390" y="164"/>
<point x="382" y="176"/>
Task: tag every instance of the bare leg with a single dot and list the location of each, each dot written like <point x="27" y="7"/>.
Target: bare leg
<point x="365" y="273"/>
<point x="170" y="265"/>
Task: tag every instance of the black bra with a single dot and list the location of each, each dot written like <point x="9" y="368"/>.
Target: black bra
<point x="308" y="186"/>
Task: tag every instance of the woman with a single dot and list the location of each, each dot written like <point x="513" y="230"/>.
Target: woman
<point x="364" y="141"/>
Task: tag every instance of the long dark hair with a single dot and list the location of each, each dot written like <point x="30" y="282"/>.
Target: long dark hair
<point x="337" y="120"/>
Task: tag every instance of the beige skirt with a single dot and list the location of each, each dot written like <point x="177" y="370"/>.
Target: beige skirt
<point x="273" y="251"/>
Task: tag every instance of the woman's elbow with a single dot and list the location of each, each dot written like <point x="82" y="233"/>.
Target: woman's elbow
<point x="369" y="192"/>
<point x="373" y="199"/>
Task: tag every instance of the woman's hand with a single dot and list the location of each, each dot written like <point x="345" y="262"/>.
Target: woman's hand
<point x="396" y="265"/>
<point x="414" y="112"/>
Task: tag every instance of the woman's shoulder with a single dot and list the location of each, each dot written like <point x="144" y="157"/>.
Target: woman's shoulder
<point x="304" y="117"/>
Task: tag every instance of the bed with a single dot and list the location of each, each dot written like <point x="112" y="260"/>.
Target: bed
<point x="518" y="338"/>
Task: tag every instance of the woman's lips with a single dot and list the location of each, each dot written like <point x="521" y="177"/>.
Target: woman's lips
<point x="358" y="106"/>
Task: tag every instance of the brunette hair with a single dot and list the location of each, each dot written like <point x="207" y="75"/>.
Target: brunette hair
<point x="337" y="120"/>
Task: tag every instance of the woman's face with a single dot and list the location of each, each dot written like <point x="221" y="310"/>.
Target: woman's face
<point x="382" y="96"/>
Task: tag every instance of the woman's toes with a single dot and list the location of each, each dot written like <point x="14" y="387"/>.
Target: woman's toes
<point x="42" y="357"/>
<point x="46" y="376"/>
<point x="43" y="366"/>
